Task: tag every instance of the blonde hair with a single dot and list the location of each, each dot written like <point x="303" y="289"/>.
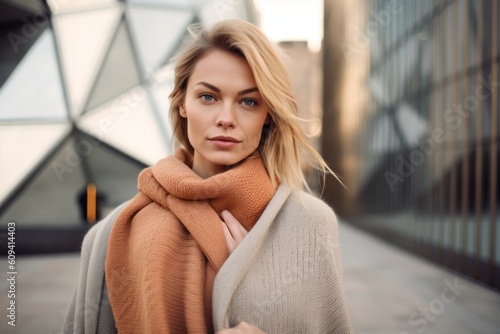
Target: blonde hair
<point x="285" y="148"/>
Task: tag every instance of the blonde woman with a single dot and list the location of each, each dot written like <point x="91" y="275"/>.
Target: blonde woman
<point x="223" y="236"/>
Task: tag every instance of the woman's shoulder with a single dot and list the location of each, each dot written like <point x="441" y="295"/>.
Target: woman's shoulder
<point x="311" y="204"/>
<point x="304" y="213"/>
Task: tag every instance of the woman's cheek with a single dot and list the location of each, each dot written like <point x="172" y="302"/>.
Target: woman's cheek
<point x="254" y="140"/>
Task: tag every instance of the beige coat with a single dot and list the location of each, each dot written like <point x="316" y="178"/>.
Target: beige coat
<point x="284" y="277"/>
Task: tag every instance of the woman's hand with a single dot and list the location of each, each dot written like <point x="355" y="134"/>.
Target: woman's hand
<point x="233" y="231"/>
<point x="242" y="328"/>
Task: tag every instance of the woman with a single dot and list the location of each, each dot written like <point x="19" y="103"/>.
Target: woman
<point x="221" y="236"/>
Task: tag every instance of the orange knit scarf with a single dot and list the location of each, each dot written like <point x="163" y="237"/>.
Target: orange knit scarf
<point x="167" y="244"/>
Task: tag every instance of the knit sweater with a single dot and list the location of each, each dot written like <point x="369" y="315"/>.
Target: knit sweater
<point x="284" y="277"/>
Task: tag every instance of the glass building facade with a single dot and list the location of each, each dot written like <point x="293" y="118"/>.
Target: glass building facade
<point x="411" y="124"/>
<point x="84" y="88"/>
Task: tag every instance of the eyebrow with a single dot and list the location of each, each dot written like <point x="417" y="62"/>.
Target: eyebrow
<point x="212" y="87"/>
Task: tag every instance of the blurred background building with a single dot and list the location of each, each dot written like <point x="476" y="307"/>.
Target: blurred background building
<point x="411" y="124"/>
<point x="84" y="91"/>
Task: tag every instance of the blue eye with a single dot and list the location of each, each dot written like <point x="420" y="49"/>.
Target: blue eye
<point x="249" y="102"/>
<point x="207" y="97"/>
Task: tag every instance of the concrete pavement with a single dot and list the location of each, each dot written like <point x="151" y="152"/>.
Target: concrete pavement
<point x="44" y="287"/>
<point x="390" y="291"/>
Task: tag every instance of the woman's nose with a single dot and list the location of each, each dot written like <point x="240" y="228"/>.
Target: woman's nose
<point x="226" y="117"/>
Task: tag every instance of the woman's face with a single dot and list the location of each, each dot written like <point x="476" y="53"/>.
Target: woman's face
<point x="224" y="110"/>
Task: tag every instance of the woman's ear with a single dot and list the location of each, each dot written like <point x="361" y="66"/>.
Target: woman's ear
<point x="182" y="111"/>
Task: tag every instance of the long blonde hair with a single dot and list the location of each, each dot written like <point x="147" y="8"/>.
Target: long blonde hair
<point x="285" y="148"/>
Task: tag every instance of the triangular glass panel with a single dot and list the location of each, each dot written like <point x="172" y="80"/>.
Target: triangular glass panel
<point x="156" y="32"/>
<point x="58" y="6"/>
<point x="34" y="90"/>
<point x="52" y="199"/>
<point x="114" y="176"/>
<point x="18" y="35"/>
<point x="114" y="173"/>
<point x="82" y="39"/>
<point x="119" y="71"/>
<point x="129" y="124"/>
<point x="22" y="147"/>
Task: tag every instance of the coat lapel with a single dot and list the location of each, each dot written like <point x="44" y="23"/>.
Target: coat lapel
<point x="238" y="263"/>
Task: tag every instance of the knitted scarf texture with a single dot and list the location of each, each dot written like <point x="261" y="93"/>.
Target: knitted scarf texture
<point x="167" y="244"/>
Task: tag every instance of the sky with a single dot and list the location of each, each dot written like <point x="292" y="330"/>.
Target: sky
<point x="285" y="20"/>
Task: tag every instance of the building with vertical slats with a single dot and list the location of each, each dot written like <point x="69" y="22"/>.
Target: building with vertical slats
<point x="411" y="122"/>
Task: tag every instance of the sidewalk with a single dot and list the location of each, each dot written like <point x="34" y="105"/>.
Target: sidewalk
<point x="388" y="291"/>
<point x="44" y="287"/>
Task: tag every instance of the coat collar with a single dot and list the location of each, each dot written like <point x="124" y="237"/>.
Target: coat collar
<point x="241" y="259"/>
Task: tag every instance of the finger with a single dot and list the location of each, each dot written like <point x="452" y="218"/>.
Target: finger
<point x="244" y="328"/>
<point x="231" y="244"/>
<point x="237" y="223"/>
<point x="242" y="229"/>
<point x="237" y="230"/>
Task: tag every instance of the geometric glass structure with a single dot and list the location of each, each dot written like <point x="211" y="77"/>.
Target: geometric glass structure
<point x="84" y="88"/>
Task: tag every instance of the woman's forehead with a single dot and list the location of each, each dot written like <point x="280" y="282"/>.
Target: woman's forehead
<point x="220" y="68"/>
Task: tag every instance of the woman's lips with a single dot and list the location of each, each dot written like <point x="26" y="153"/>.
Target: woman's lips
<point x="224" y="141"/>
